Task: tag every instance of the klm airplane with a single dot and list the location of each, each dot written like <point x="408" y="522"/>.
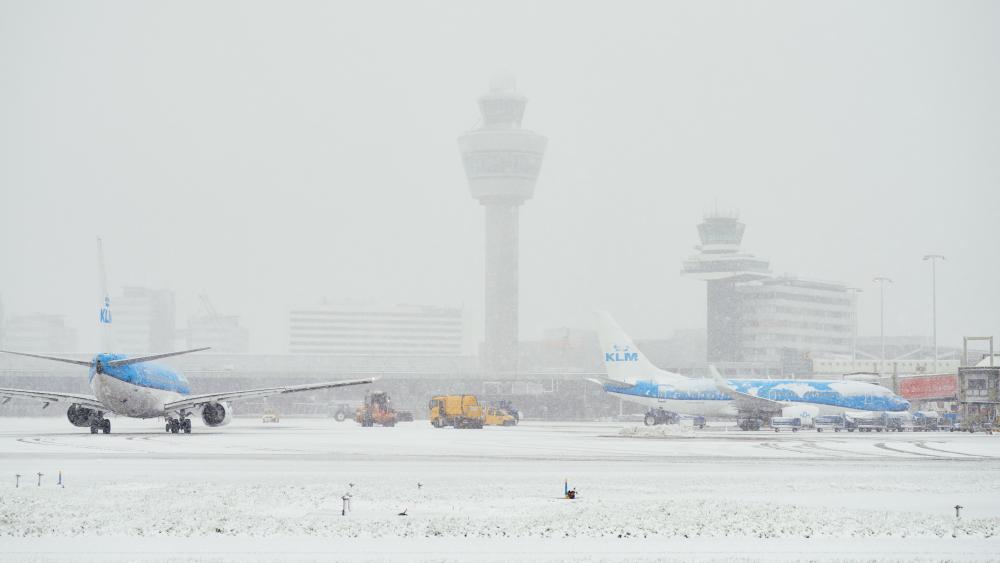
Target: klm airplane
<point x="633" y="378"/>
<point x="140" y="388"/>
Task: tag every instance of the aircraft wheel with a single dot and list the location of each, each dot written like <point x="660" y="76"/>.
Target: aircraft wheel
<point x="93" y="428"/>
<point x="186" y="425"/>
<point x="106" y="426"/>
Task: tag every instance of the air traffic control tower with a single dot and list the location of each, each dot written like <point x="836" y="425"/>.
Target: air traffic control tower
<point x="502" y="162"/>
<point x="721" y="265"/>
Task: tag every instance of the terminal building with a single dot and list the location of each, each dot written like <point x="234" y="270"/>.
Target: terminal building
<point x="222" y="333"/>
<point x="39" y="333"/>
<point x="760" y="322"/>
<point x="352" y="330"/>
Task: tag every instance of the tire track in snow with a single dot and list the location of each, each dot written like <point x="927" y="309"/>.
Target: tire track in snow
<point x="887" y="448"/>
<point x="845" y="454"/>
<point x="926" y="447"/>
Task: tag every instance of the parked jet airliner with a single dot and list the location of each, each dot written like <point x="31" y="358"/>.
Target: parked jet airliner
<point x="139" y="388"/>
<point x="634" y="378"/>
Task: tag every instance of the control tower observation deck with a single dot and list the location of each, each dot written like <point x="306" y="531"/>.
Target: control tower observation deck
<point x="721" y="265"/>
<point x="502" y="162"/>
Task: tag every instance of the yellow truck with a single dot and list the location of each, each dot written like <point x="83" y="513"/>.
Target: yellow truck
<point x="460" y="411"/>
<point x="496" y="416"/>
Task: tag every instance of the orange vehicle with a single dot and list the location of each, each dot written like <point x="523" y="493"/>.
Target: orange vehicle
<point x="377" y="409"/>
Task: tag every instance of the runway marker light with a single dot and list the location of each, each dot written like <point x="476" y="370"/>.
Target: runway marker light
<point x="39" y="478"/>
<point x="346" y="504"/>
<point x="17" y="480"/>
<point x="958" y="518"/>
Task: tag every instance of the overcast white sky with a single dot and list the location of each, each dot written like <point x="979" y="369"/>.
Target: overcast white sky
<point x="278" y="153"/>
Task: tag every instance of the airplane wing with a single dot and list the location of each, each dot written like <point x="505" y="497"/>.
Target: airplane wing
<point x="602" y="381"/>
<point x="192" y="401"/>
<point x="745" y="401"/>
<point x="88" y="401"/>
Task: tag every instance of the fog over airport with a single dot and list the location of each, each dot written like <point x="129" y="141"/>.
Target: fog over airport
<point x="278" y="154"/>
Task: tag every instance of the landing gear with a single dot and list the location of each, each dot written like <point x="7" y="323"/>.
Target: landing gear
<point x="174" y="426"/>
<point x="749" y="423"/>
<point x="99" y="423"/>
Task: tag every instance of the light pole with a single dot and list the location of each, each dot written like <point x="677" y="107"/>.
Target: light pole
<point x="934" y="258"/>
<point x="881" y="281"/>
<point x="854" y="334"/>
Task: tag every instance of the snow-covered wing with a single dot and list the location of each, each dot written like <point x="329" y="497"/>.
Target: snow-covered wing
<point x="88" y="401"/>
<point x="602" y="381"/>
<point x="745" y="401"/>
<point x="138" y="359"/>
<point x="192" y="401"/>
<point x="53" y="358"/>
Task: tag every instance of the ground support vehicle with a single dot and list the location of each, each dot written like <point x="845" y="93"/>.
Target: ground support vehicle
<point x="695" y="420"/>
<point x="749" y="422"/>
<point x="659" y="416"/>
<point x="900" y="422"/>
<point x="342" y="412"/>
<point x="926" y="421"/>
<point x="511" y="409"/>
<point x="495" y="416"/>
<point x="951" y="422"/>
<point x="377" y="409"/>
<point x="779" y="423"/>
<point x="874" y="422"/>
<point x="270" y="415"/>
<point x="459" y="411"/>
<point x="835" y="422"/>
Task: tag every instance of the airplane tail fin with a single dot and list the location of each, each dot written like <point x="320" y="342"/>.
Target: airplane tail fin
<point x="623" y="360"/>
<point x="107" y="336"/>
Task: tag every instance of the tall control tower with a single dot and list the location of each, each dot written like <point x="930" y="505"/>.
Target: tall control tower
<point x="502" y="162"/>
<point x="721" y="265"/>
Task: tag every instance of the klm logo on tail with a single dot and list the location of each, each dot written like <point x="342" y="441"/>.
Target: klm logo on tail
<point x="106" y="311"/>
<point x="621" y="354"/>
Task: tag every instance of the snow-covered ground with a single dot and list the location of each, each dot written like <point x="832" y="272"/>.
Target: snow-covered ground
<point x="273" y="492"/>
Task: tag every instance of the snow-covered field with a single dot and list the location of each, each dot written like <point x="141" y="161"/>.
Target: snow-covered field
<point x="254" y="491"/>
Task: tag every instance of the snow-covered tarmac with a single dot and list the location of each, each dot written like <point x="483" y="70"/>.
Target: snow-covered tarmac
<point x="254" y="491"/>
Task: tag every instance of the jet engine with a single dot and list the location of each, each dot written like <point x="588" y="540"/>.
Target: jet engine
<point x="79" y="415"/>
<point x="216" y="414"/>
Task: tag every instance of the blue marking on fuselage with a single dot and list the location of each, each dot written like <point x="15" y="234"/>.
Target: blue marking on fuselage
<point x="143" y="374"/>
<point x="819" y="392"/>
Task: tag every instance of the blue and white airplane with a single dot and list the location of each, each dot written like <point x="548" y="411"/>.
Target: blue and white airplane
<point x="634" y="378"/>
<point x="140" y="388"/>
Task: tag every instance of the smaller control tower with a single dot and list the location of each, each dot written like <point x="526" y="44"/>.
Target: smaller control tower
<point x="721" y="265"/>
<point x="502" y="162"/>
